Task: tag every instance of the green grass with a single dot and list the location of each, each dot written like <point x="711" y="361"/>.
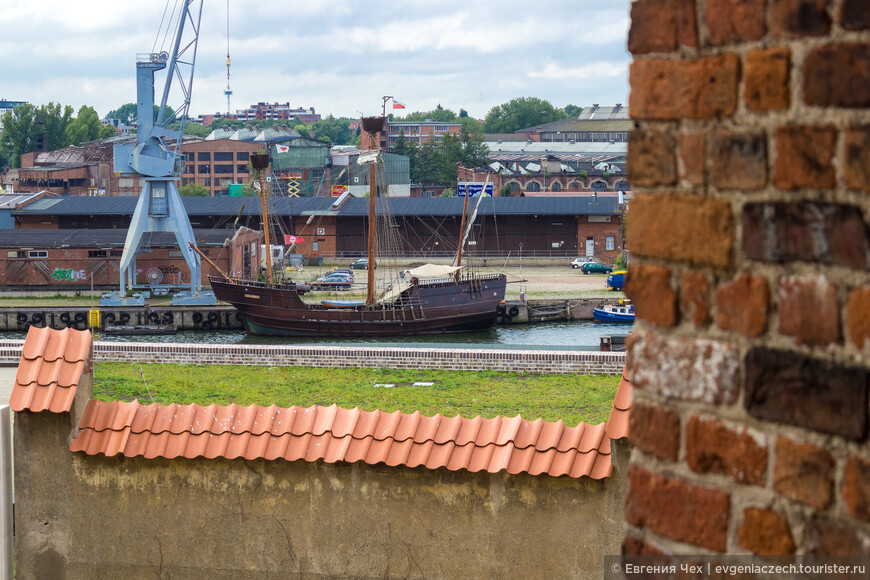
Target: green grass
<point x="571" y="398"/>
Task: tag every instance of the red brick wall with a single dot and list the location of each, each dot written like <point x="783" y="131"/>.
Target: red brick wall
<point x="751" y="276"/>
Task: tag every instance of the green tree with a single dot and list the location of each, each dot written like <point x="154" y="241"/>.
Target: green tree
<point x="193" y="189"/>
<point x="521" y="113"/>
<point x="475" y="153"/>
<point x="28" y="128"/>
<point x="52" y="121"/>
<point x="85" y="127"/>
<point x="572" y="110"/>
<point x="128" y="113"/>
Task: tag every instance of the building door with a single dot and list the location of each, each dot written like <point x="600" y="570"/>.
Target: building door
<point x="590" y="246"/>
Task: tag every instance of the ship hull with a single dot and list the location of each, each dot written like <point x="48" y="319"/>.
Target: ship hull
<point x="427" y="308"/>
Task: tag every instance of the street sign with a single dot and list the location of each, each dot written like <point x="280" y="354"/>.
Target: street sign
<point x="473" y="188"/>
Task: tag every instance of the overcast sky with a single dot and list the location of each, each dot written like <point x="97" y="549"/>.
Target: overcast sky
<point x="338" y="56"/>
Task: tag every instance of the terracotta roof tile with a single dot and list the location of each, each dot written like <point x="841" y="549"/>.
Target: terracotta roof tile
<point x="617" y="424"/>
<point x="333" y="434"/>
<point x="51" y="366"/>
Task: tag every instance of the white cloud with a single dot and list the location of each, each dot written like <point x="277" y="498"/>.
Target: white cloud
<point x="584" y="72"/>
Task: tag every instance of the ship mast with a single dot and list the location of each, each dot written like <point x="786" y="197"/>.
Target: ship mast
<point x="260" y="162"/>
<point x="373" y="126"/>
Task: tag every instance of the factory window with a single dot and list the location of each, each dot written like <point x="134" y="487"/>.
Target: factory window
<point x="204" y="169"/>
<point x="37" y="254"/>
<point x="16" y="254"/>
<point x="441" y="128"/>
<point x="242" y="168"/>
<point x="207" y="182"/>
<point x="116" y="253"/>
<point x="96" y="253"/>
<point x="242" y="156"/>
<point x="223" y="168"/>
<point x="223" y="156"/>
<point x="203" y="156"/>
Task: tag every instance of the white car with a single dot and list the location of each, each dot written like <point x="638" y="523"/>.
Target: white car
<point x="578" y="262"/>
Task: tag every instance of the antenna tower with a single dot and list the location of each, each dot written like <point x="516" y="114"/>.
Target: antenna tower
<point x="228" y="92"/>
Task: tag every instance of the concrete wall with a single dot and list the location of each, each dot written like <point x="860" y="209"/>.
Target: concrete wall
<point x="96" y="517"/>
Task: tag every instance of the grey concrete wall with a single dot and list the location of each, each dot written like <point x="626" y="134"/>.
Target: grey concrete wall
<point x="95" y="517"/>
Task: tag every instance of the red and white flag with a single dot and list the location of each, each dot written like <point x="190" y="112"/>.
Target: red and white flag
<point x="282" y="148"/>
<point x="398" y="104"/>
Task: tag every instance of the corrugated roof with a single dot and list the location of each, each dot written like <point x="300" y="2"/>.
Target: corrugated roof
<point x="334" y="434"/>
<point x="284" y="206"/>
<point x="102" y="238"/>
<point x="539" y="148"/>
<point x="51" y="366"/>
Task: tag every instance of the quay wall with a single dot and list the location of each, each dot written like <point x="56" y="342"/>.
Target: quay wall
<point x="516" y="361"/>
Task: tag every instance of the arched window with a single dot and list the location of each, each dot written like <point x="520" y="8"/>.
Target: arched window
<point x="533" y="186"/>
<point x="598" y="186"/>
<point x="515" y="187"/>
<point x="621" y="185"/>
<point x="556" y="186"/>
<point x="574" y="186"/>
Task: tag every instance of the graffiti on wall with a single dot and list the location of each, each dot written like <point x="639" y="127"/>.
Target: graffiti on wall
<point x="68" y="275"/>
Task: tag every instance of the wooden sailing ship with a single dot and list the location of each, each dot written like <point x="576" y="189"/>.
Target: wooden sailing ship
<point x="425" y="300"/>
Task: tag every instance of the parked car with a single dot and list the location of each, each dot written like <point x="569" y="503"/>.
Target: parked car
<point x="361" y="264"/>
<point x="595" y="268"/>
<point x="578" y="262"/>
<point x="333" y="281"/>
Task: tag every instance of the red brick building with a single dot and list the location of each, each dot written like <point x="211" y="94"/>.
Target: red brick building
<point x="418" y="132"/>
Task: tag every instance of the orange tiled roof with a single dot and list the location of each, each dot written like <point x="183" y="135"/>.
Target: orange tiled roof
<point x="335" y="434"/>
<point x="617" y="424"/>
<point x="50" y="369"/>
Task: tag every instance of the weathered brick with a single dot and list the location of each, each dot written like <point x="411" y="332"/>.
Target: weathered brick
<point x="804" y="158"/>
<point x="803" y="472"/>
<point x="651" y="158"/>
<point x="855" y="15"/>
<point x="765" y="532"/>
<point x="742" y="305"/>
<point x="649" y="288"/>
<point x="794" y="18"/>
<point x="712" y="447"/>
<point x="697" y="370"/>
<point x="808" y="310"/>
<point x="810" y="232"/>
<point x="838" y="75"/>
<point x="766" y="80"/>
<point x="705" y="88"/>
<point x="856" y="487"/>
<point x="858" y="317"/>
<point x="695" y="296"/>
<point x="856" y="165"/>
<point x="677" y="510"/>
<point x="790" y="388"/>
<point x="662" y="26"/>
<point x="739" y="160"/>
<point x="656" y="430"/>
<point x="632" y="546"/>
<point x="735" y="20"/>
<point x="826" y="536"/>
<point x="681" y="228"/>
<point x="692" y="158"/>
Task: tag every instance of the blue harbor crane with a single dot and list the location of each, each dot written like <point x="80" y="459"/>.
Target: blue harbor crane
<point x="156" y="159"/>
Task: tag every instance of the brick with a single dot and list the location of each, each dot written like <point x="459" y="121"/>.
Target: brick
<point x="692" y="158"/>
<point x="655" y="429"/>
<point x="695" y="296"/>
<point x="632" y="546"/>
<point x="705" y="88"/>
<point x="796" y="18"/>
<point x="682" y="368"/>
<point x="735" y="20"/>
<point x="856" y="487"/>
<point x="791" y="388"/>
<point x="662" y="26"/>
<point x="765" y="532"/>
<point x="834" y="234"/>
<point x="766" y="80"/>
<point x="803" y="472"/>
<point x="804" y="157"/>
<point x="856" y="165"/>
<point x="651" y="158"/>
<point x="858" y="317"/>
<point x="677" y="510"/>
<point x="826" y="536"/>
<point x="838" y="75"/>
<point x="855" y="15"/>
<point x="681" y="228"/>
<point x="742" y="305"/>
<point x="808" y="310"/>
<point x="738" y="160"/>
<point x="712" y="447"/>
<point x="649" y="288"/>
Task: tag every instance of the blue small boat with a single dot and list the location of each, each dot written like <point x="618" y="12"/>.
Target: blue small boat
<point x="614" y="313"/>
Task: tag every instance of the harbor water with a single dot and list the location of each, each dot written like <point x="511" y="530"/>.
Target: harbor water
<point x="577" y="335"/>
